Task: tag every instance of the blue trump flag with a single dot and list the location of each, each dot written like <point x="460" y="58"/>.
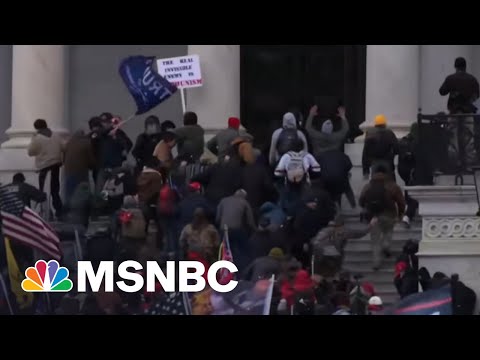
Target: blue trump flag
<point x="147" y="87"/>
<point x="431" y="302"/>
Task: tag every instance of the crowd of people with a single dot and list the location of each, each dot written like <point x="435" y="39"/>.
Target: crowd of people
<point x="279" y="211"/>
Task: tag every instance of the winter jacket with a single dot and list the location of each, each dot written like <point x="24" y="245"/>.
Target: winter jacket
<point x="273" y="213"/>
<point x="264" y="240"/>
<point x="258" y="184"/>
<point x="79" y="156"/>
<point x="263" y="268"/>
<point x="289" y="122"/>
<point x="187" y="206"/>
<point x="308" y="222"/>
<point x="463" y="90"/>
<point x="236" y="213"/>
<point x="190" y="141"/>
<point x="381" y="144"/>
<point x="335" y="167"/>
<point x="220" y="143"/>
<point x="301" y="284"/>
<point x="204" y="240"/>
<point x="221" y="180"/>
<point x="395" y="200"/>
<point x="149" y="184"/>
<point x="144" y="147"/>
<point x="113" y="150"/>
<point x="47" y="148"/>
<point x="163" y="153"/>
<point x="27" y="193"/>
<point x="322" y="142"/>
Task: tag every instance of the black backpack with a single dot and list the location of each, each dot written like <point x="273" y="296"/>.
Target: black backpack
<point x="376" y="197"/>
<point x="286" y="141"/>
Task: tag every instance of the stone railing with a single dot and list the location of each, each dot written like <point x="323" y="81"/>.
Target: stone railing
<point x="450" y="231"/>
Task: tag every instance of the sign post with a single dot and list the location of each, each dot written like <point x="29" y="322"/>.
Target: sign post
<point x="184" y="72"/>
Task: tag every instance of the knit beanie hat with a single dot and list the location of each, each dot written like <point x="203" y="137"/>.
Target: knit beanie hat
<point x="234" y="123"/>
<point x="276" y="253"/>
<point x="380" y="120"/>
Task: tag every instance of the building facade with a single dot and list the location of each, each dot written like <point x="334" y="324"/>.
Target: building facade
<point x="68" y="84"/>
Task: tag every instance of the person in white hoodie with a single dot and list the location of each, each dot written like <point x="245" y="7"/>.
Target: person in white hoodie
<point x="283" y="139"/>
<point x="48" y="148"/>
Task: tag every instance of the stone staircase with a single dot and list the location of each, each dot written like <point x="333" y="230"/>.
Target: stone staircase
<point x="358" y="255"/>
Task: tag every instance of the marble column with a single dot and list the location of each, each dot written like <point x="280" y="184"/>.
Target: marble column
<point x="38" y="91"/>
<point x="437" y="62"/>
<point x="393" y="85"/>
<point x="219" y="97"/>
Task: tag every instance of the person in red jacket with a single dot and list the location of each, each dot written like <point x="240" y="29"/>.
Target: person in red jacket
<point x="301" y="284"/>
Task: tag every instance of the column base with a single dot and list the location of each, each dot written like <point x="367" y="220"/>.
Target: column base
<point x="20" y="139"/>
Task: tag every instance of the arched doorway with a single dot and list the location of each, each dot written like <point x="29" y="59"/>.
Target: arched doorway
<point x="276" y="78"/>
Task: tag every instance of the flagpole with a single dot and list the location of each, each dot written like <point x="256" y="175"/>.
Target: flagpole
<point x="131" y="117"/>
<point x="268" y="299"/>
<point x="227" y="241"/>
<point x="312" y="265"/>
<point x="182" y="95"/>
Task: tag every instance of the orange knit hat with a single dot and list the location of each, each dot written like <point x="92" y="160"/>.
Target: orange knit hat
<point x="380" y="120"/>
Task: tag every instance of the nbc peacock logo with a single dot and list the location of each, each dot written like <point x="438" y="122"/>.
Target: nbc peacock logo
<point x="47" y="277"/>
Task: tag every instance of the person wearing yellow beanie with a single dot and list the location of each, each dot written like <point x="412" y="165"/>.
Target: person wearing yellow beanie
<point x="381" y="147"/>
<point x="380" y="120"/>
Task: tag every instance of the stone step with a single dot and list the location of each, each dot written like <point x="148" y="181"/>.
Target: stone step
<point x="366" y="261"/>
<point x="365" y="245"/>
<point x="399" y="227"/>
<point x="383" y="276"/>
<point x="366" y="256"/>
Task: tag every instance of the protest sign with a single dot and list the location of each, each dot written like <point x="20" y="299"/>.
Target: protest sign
<point x="184" y="72"/>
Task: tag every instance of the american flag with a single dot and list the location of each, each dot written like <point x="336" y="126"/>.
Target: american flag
<point x="22" y="224"/>
<point x="224" y="276"/>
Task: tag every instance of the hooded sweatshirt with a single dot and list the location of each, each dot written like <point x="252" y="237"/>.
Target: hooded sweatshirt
<point x="326" y="139"/>
<point x="289" y="122"/>
<point x="47" y="148"/>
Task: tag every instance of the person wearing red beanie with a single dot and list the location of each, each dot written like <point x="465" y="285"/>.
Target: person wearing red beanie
<point x="221" y="143"/>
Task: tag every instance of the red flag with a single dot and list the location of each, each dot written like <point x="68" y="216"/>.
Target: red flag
<point x="225" y="276"/>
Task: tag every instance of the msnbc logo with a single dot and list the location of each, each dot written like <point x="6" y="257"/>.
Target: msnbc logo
<point x="47" y="277"/>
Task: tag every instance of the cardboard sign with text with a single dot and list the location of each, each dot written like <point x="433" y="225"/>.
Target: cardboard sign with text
<point x="184" y="72"/>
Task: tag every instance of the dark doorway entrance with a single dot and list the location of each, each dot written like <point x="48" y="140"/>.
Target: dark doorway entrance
<point x="277" y="78"/>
